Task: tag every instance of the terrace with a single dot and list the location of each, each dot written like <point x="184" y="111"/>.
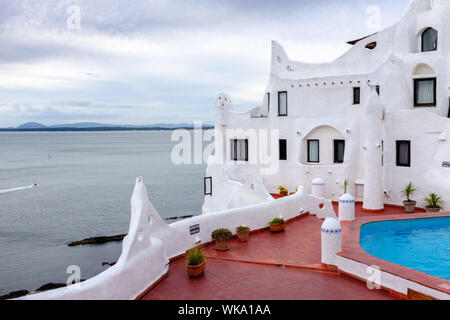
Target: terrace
<point x="286" y="266"/>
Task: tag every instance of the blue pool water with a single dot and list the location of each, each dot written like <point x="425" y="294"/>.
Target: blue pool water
<point x="420" y="244"/>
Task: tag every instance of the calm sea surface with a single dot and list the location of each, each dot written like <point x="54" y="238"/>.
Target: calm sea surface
<point x="85" y="183"/>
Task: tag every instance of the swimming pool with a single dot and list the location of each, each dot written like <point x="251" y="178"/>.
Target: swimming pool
<point x="420" y="244"/>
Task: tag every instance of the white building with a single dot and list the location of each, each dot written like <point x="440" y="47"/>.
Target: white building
<point x="377" y="116"/>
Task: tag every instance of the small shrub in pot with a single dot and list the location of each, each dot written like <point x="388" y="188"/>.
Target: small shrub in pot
<point x="221" y="236"/>
<point x="195" y="262"/>
<point x="277" y="225"/>
<point x="243" y="233"/>
<point x="283" y="191"/>
<point x="408" y="191"/>
<point x="434" y="202"/>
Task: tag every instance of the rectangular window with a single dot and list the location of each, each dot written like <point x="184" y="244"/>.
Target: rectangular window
<point x="207" y="186"/>
<point x="339" y="151"/>
<point x="313" y="151"/>
<point x="268" y="102"/>
<point x="378" y="89"/>
<point x="282" y="103"/>
<point x="425" y="92"/>
<point x="239" y="149"/>
<point x="356" y="95"/>
<point x="404" y="153"/>
<point x="283" y="149"/>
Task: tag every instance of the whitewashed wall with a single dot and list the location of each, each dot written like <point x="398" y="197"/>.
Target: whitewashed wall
<point x="151" y="242"/>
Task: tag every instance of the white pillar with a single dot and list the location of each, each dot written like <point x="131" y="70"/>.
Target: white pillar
<point x="318" y="187"/>
<point x="373" y="178"/>
<point x="346" y="207"/>
<point x="331" y="238"/>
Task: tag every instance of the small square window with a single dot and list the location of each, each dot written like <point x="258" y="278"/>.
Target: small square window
<point x="313" y="151"/>
<point x="283" y="149"/>
<point x="239" y="149"/>
<point x="356" y="95"/>
<point x="425" y="92"/>
<point x="282" y="103"/>
<point x="404" y="153"/>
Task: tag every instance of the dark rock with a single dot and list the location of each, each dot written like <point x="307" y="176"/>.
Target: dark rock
<point x="15" y="294"/>
<point x="97" y="240"/>
<point x="50" y="286"/>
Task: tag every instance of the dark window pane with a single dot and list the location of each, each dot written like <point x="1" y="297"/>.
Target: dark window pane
<point x="339" y="151"/>
<point x="356" y="95"/>
<point x="404" y="153"/>
<point x="429" y="40"/>
<point x="239" y="149"/>
<point x="425" y="92"/>
<point x="283" y="149"/>
<point x="282" y="103"/>
<point x="313" y="150"/>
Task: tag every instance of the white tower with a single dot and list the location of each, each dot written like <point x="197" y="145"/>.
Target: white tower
<point x="373" y="180"/>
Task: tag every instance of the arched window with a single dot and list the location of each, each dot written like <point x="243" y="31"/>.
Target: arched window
<point x="429" y="40"/>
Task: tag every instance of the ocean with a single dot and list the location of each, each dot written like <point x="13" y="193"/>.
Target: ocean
<point x="85" y="184"/>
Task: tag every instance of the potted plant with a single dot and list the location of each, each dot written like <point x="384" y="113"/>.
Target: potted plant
<point x="283" y="191"/>
<point x="221" y="236"/>
<point x="408" y="191"/>
<point x="277" y="225"/>
<point x="434" y="202"/>
<point x="243" y="233"/>
<point x="195" y="262"/>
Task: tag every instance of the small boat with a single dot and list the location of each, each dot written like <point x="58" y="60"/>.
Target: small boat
<point x="19" y="189"/>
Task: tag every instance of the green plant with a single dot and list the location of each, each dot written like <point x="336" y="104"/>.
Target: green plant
<point x="223" y="234"/>
<point x="283" y="189"/>
<point x="345" y="185"/>
<point x="195" y="256"/>
<point x="408" y="191"/>
<point x="277" y="221"/>
<point x="433" y="200"/>
<point x="242" y="228"/>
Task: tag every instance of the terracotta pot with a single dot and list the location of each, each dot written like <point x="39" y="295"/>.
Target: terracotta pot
<point x="410" y="206"/>
<point x="277" y="227"/>
<point x="196" y="271"/>
<point x="243" y="235"/>
<point x="283" y="194"/>
<point x="222" y="244"/>
<point x="432" y="209"/>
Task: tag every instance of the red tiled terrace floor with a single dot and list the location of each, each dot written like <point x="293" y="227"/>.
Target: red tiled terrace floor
<point x="283" y="266"/>
<point x="269" y="266"/>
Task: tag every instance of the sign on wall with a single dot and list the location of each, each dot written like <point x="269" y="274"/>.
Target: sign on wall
<point x="194" y="229"/>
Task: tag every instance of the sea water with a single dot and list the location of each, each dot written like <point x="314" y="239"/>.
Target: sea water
<point x="85" y="184"/>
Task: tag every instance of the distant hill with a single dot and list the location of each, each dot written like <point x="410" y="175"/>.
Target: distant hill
<point x="80" y="126"/>
<point x="84" y="125"/>
<point x="32" y="125"/>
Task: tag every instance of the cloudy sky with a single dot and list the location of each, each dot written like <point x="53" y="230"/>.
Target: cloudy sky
<point x="153" y="61"/>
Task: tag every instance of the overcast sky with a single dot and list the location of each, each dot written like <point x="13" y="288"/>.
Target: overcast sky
<point x="144" y="62"/>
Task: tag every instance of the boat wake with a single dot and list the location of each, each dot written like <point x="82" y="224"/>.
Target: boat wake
<point x="19" y="189"/>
